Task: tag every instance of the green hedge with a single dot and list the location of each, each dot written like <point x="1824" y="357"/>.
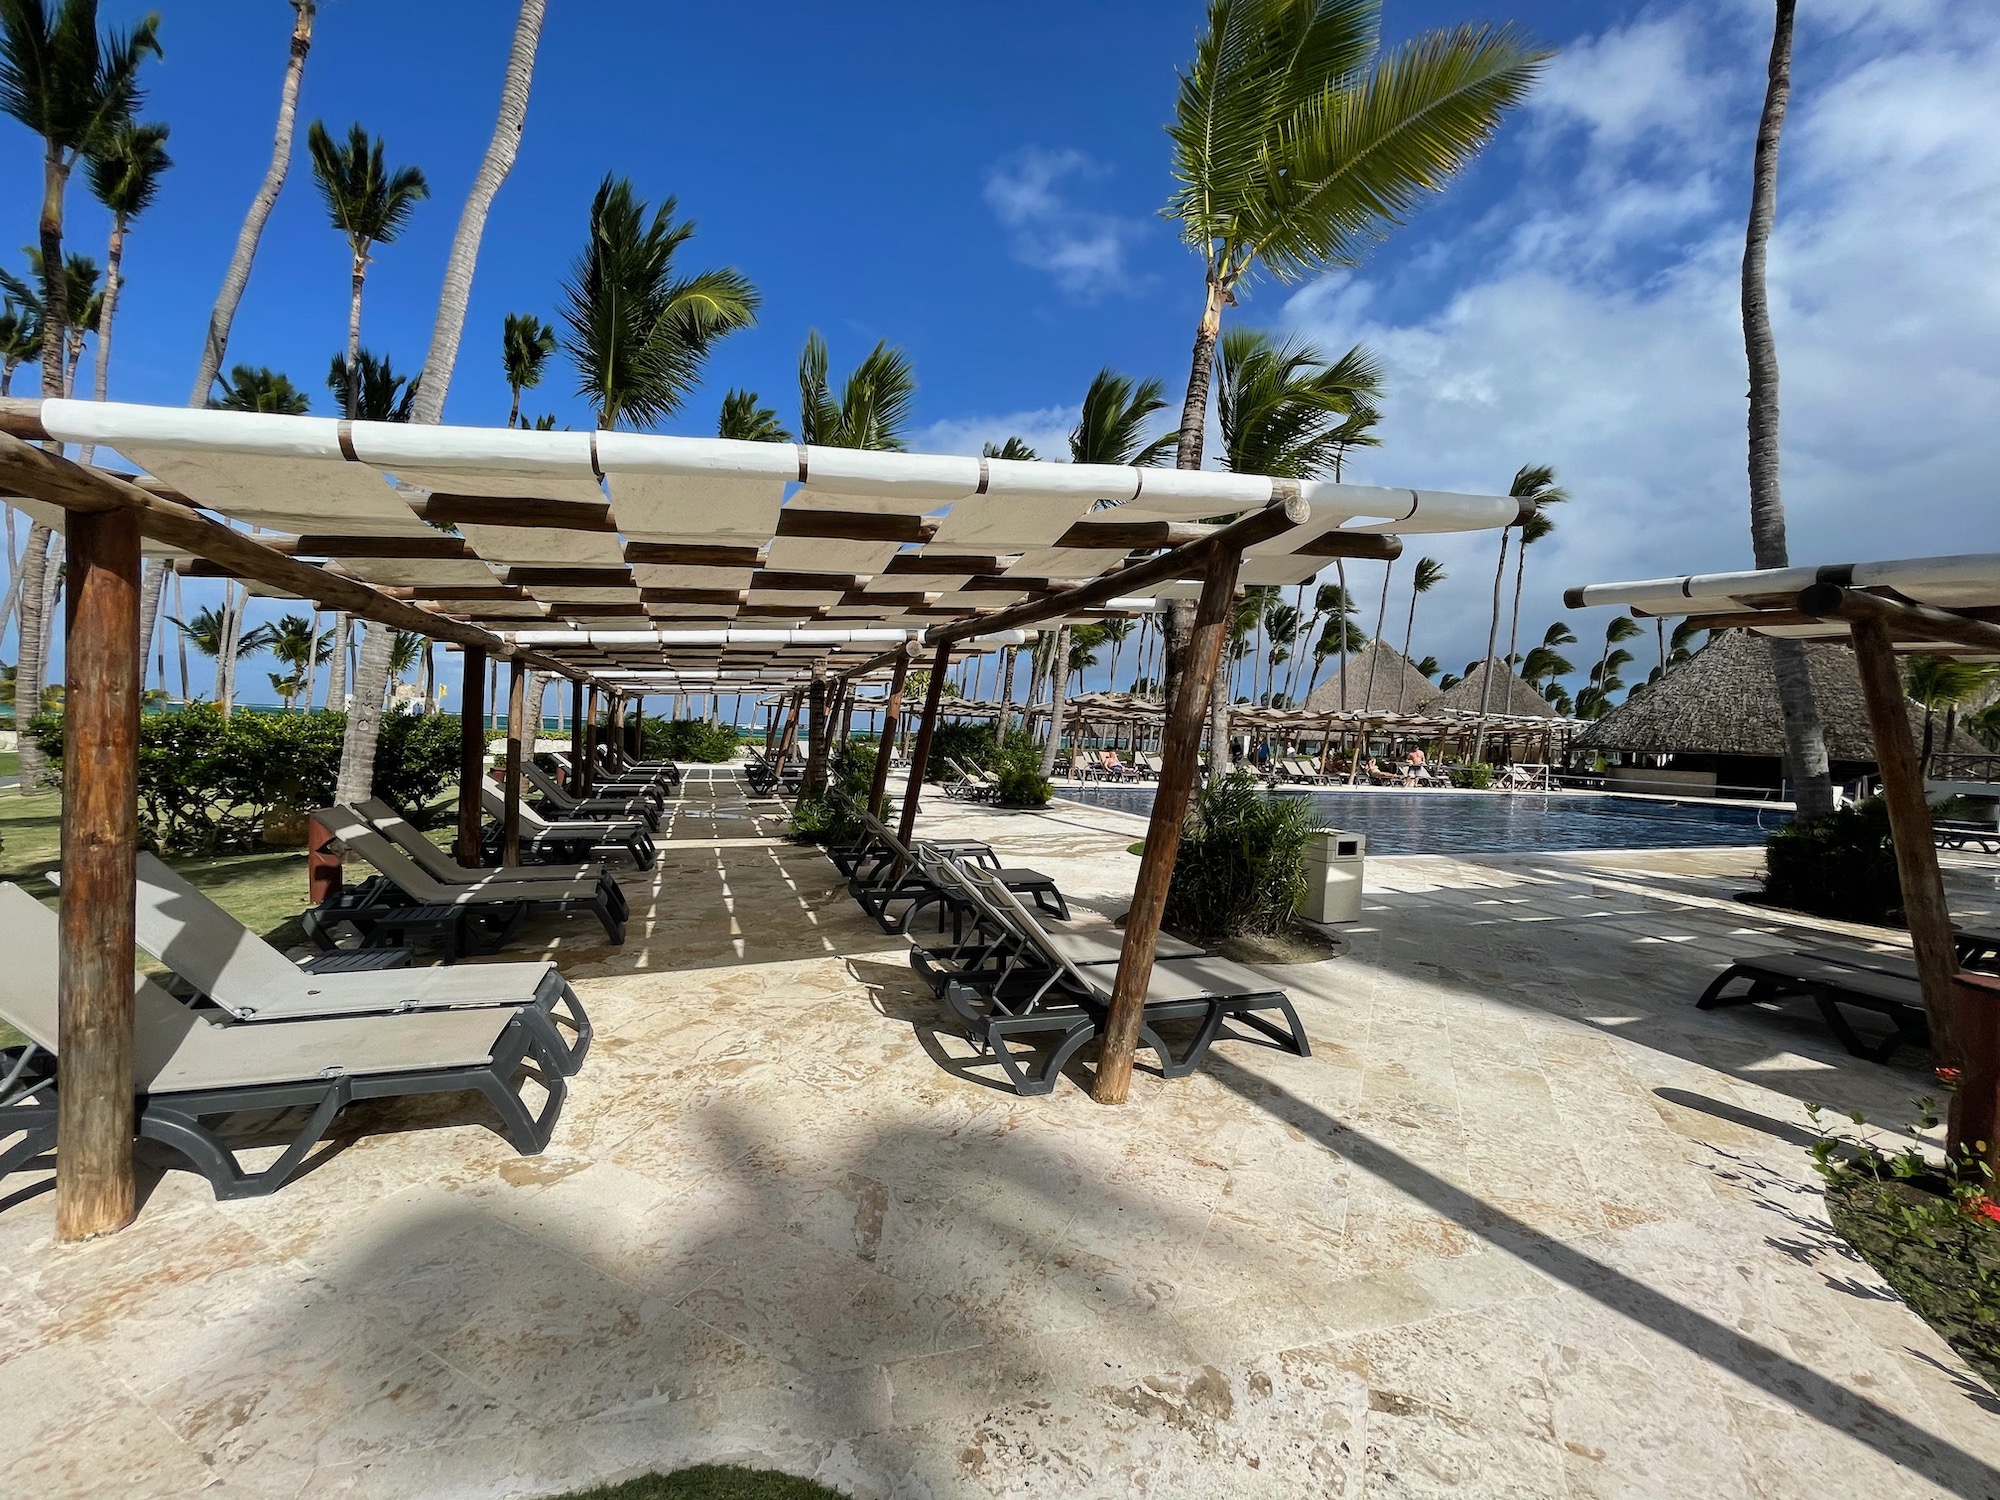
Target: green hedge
<point x="1841" y="866"/>
<point x="1018" y="766"/>
<point x="693" y="740"/>
<point x="209" y="785"/>
<point x="1241" y="867"/>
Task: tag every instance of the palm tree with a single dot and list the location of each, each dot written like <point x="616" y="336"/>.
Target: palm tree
<point x="638" y="333"/>
<point x="1014" y="448"/>
<point x="501" y="148"/>
<point x="1429" y="574"/>
<point x="298" y="643"/>
<point x="745" y="418"/>
<point x="207" y="630"/>
<point x="216" y="344"/>
<point x="367" y="203"/>
<point x="875" y="403"/>
<point x="20" y="339"/>
<point x="526" y="343"/>
<point x="1110" y="428"/>
<point x="1282" y="623"/>
<point x="85" y="303"/>
<point x="1428" y="666"/>
<point x="1594" y="701"/>
<point x="381" y="395"/>
<point x="125" y="177"/>
<point x="1536" y="482"/>
<point x="73" y="88"/>
<point x="1297" y="147"/>
<point x="1943" y="682"/>
<point x="1539" y="485"/>
<point x="260" y="389"/>
<point x="1805" y="741"/>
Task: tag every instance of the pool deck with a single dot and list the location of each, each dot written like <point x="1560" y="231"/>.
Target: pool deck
<point x="1525" y="1224"/>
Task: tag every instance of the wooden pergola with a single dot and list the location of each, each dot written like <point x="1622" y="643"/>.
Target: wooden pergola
<point x="622" y="562"/>
<point x="1939" y="606"/>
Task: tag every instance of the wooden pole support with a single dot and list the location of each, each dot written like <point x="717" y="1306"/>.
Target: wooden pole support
<point x="816" y="735"/>
<point x="510" y="825"/>
<point x="1911" y="622"/>
<point x="1180" y="767"/>
<point x="926" y="731"/>
<point x="590" y="745"/>
<point x="100" y="840"/>
<point x="1924" y="907"/>
<point x="471" y="755"/>
<point x="892" y="713"/>
<point x="573" y="781"/>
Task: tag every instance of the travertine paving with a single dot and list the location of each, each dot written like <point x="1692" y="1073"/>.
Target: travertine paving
<point x="1525" y="1224"/>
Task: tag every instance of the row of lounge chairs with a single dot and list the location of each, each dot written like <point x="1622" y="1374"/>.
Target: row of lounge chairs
<point x="1105" y="765"/>
<point x="1030" y="998"/>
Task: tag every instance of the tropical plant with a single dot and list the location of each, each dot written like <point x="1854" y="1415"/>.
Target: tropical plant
<point x="875" y="403"/>
<point x="1286" y="410"/>
<point x="1111" y="426"/>
<point x="1535" y="483"/>
<point x="382" y="394"/>
<point x="1943" y="682"/>
<point x="215" y="345"/>
<point x="1241" y="868"/>
<point x="638" y="332"/>
<point x="746" y="419"/>
<point x="124" y="176"/>
<point x="207" y="630"/>
<point x="1428" y="666"/>
<point x="370" y="205"/>
<point x="1428" y="575"/>
<point x="20" y="340"/>
<point x="85" y="299"/>
<point x="262" y="389"/>
<point x="296" y="643"/>
<point x="1014" y="448"/>
<point x="526" y="343"/>
<point x="1333" y="604"/>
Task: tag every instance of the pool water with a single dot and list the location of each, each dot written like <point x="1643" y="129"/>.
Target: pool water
<point x="1503" y="822"/>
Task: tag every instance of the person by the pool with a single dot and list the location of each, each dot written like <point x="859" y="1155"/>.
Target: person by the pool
<point x="1413" y="765"/>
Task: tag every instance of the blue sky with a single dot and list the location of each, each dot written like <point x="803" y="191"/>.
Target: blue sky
<point x="980" y="186"/>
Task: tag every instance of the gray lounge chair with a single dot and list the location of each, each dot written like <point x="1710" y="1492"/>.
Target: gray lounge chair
<point x="226" y="964"/>
<point x="610" y="807"/>
<point x="442" y="867"/>
<point x="566" y="838"/>
<point x="1832" y="981"/>
<point x="893" y="889"/>
<point x="502" y="903"/>
<point x="189" y="1070"/>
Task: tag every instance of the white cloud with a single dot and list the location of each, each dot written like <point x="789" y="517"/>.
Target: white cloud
<point x="1887" y="307"/>
<point x="1083" y="249"/>
<point x="1045" y="429"/>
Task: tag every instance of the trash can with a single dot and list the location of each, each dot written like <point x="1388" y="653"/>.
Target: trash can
<point x="1333" y="876"/>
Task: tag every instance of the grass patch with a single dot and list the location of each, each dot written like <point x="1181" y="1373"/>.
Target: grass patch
<point x="711" y="1482"/>
<point x="10" y="763"/>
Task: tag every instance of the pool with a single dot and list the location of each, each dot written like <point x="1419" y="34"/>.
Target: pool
<point x="1502" y="822"/>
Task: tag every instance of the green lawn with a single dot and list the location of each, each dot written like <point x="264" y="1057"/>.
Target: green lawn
<point x="711" y="1482"/>
<point x="10" y="762"/>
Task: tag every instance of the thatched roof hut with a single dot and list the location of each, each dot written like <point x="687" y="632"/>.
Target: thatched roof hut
<point x="1397" y="686"/>
<point x="1510" y="694"/>
<point x="1723" y="703"/>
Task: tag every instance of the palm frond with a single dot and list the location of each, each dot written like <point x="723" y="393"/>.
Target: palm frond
<point x="1111" y="427"/>
<point x="124" y="173"/>
<point x="263" y="389"/>
<point x="746" y="419"/>
<point x="366" y="201"/>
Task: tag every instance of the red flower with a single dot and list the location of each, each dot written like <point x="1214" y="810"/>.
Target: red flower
<point x="1948" y="1076"/>
<point x="1983" y="1208"/>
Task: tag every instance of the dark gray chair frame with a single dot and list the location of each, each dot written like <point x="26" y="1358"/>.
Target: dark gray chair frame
<point x="1831" y="984"/>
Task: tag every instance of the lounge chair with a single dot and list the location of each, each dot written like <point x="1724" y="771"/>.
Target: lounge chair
<point x="500" y="905"/>
<point x="1956" y="835"/>
<point x="643" y="803"/>
<point x="1831" y="982"/>
<point x="894" y="888"/>
<point x="647" y="786"/>
<point x="229" y="966"/>
<point x="569" y="838"/>
<point x="1112" y="767"/>
<point x="1074" y="1001"/>
<point x="615" y="764"/>
<point x="867" y="850"/>
<point x="442" y="867"/>
<point x="1978" y="947"/>
<point x="188" y="1070"/>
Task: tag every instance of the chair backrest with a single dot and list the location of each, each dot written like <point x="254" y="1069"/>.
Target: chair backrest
<point x="495" y="802"/>
<point x="207" y="947"/>
<point x="1021" y="918"/>
<point x="542" y="782"/>
<point x="358" y="834"/>
<point x="410" y="839"/>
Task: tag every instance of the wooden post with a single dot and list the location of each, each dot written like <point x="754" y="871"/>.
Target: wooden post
<point x="617" y="736"/>
<point x="100" y="840"/>
<point x="471" y="755"/>
<point x="1917" y="870"/>
<point x="510" y="825"/>
<point x="926" y="730"/>
<point x="790" y="738"/>
<point x="590" y="744"/>
<point x="636" y="743"/>
<point x="892" y="714"/>
<point x="574" y="781"/>
<point x="816" y="736"/>
<point x="1180" y="753"/>
<point x="770" y="726"/>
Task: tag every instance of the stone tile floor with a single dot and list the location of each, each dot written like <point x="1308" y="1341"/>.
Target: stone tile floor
<point x="1525" y="1224"/>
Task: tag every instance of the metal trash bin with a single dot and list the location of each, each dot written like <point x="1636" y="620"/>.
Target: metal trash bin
<point x="1334" y="861"/>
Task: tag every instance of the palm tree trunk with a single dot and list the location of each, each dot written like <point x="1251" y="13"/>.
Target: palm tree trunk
<point x="1340" y="573"/>
<point x="371" y="681"/>
<point x="336" y="672"/>
<point x="237" y="277"/>
<point x="1177" y="625"/>
<point x="225" y="657"/>
<point x="52" y="585"/>
<point x="513" y="412"/>
<point x="107" y="310"/>
<point x="501" y="150"/>
<point x="1409" y="635"/>
<point x="1058" y="691"/>
<point x="1220" y="751"/>
<point x="149" y="610"/>
<point x="180" y="609"/>
<point x="1514" y="630"/>
<point x="55" y="280"/>
<point x="28" y="676"/>
<point x="1492" y="643"/>
<point x="1805" y="741"/>
<point x="359" y="278"/>
<point x="13" y="574"/>
<point x="1375" y="646"/>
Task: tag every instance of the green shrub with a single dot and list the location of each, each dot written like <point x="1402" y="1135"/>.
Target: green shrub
<point x="1841" y="866"/>
<point x="822" y="820"/>
<point x="1018" y="765"/>
<point x="969" y="744"/>
<point x="1476" y="777"/>
<point x="1241" y="867"/>
<point x="694" y="740"/>
<point x="209" y="785"/>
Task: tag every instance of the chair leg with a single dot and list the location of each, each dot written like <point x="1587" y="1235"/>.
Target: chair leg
<point x="1712" y="997"/>
<point x="529" y="1133"/>
<point x="180" y="1127"/>
<point x="1292" y="1037"/>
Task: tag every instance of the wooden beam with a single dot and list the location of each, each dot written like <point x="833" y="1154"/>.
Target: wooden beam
<point x="1365" y="545"/>
<point x="1130" y="536"/>
<point x="471" y="755"/>
<point x="796" y="581"/>
<point x="892" y="715"/>
<point x="413" y="548"/>
<point x="51" y="478"/>
<point x="619" y="576"/>
<point x="1180" y="768"/>
<point x="692" y="555"/>
<point x="854" y="525"/>
<point x="1829" y="601"/>
<point x="1275" y="519"/>
<point x="693" y="596"/>
<point x="948" y="564"/>
<point x="21" y="418"/>
<point x="510" y="824"/>
<point x="100" y="839"/>
<point x="926" y="732"/>
<point x="500" y="510"/>
<point x="1924" y="907"/>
